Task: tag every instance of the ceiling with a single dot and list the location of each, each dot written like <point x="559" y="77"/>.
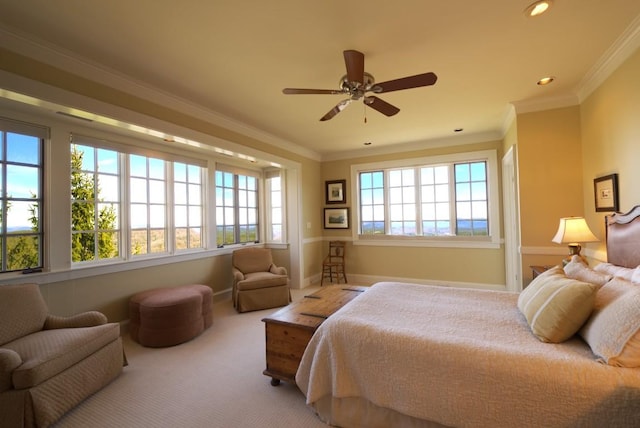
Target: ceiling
<point x="233" y="58"/>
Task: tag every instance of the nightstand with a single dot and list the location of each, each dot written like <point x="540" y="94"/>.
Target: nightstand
<point x="537" y="270"/>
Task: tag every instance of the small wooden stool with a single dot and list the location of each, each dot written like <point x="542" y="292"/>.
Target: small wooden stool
<point x="170" y="316"/>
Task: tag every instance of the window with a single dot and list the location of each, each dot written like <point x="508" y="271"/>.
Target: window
<point x="163" y="213"/>
<point x="236" y="208"/>
<point x="188" y="208"/>
<point x="441" y="198"/>
<point x="72" y="205"/>
<point x="95" y="203"/>
<point x="148" y="205"/>
<point x="21" y="163"/>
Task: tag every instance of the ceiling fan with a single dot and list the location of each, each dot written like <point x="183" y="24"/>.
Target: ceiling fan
<point x="357" y="83"/>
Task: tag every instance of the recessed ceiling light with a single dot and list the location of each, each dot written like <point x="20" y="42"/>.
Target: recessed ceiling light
<point x="545" y="81"/>
<point x="537" y="8"/>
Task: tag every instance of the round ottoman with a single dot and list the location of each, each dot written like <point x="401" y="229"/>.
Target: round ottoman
<point x="170" y="316"/>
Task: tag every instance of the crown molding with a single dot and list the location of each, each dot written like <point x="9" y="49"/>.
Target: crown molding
<point x="42" y="51"/>
<point x="618" y="52"/>
<point x="549" y="103"/>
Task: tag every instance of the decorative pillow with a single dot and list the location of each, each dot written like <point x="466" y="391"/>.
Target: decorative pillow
<point x="613" y="330"/>
<point x="556" y="306"/>
<point x="615" y="270"/>
<point x="576" y="269"/>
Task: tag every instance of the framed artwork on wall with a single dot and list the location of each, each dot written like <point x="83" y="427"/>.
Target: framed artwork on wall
<point x="336" y="191"/>
<point x="336" y="218"/>
<point x="606" y="193"/>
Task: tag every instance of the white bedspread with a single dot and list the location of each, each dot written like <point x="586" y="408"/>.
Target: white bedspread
<point x="462" y="358"/>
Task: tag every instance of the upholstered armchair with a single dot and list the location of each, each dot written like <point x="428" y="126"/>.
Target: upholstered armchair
<point x="257" y="282"/>
<point x="49" y="364"/>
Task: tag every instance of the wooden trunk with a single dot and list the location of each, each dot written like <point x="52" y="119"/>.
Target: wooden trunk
<point x="288" y="331"/>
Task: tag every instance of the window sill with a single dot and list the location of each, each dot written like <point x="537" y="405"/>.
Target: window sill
<point x="76" y="272"/>
<point x="425" y="242"/>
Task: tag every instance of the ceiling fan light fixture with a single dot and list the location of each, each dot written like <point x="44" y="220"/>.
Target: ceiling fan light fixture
<point x="537" y="8"/>
<point x="545" y="81"/>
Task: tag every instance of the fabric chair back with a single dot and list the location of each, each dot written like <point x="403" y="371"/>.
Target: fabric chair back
<point x="250" y="260"/>
<point x="22" y="311"/>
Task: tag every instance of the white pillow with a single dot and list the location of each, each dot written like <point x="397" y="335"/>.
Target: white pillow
<point x="556" y="306"/>
<point x="613" y="330"/>
<point x="576" y="269"/>
<point x="615" y="270"/>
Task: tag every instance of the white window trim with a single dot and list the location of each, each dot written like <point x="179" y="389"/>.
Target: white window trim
<point x="493" y="241"/>
<point x="268" y="207"/>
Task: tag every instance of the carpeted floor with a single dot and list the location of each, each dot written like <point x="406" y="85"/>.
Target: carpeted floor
<point x="214" y="380"/>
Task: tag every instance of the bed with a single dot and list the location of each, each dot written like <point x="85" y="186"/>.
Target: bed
<point x="405" y="355"/>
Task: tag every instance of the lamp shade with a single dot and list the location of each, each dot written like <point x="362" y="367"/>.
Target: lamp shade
<point x="573" y="230"/>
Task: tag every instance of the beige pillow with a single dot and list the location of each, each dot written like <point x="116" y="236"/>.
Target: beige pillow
<point x="613" y="330"/>
<point x="556" y="306"/>
<point x="576" y="269"/>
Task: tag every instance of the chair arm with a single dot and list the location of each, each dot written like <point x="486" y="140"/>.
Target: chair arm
<point x="85" y="319"/>
<point x="237" y="275"/>
<point x="9" y="361"/>
<point x="278" y="270"/>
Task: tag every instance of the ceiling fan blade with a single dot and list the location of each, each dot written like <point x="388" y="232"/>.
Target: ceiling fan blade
<point x="354" y="61"/>
<point x="337" y="109"/>
<point x="426" y="79"/>
<point x="381" y="105"/>
<point x="296" y="91"/>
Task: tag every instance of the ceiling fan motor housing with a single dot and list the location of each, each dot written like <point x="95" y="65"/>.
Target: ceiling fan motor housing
<point x="356" y="89"/>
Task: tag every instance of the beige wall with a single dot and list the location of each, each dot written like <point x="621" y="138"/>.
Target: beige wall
<point x="550" y="180"/>
<point x="561" y="151"/>
<point x="481" y="266"/>
<point x="611" y="140"/>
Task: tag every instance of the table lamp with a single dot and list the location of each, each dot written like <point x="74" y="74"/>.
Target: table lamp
<point x="573" y="231"/>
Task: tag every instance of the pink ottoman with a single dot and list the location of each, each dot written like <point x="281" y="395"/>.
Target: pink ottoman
<point x="170" y="316"/>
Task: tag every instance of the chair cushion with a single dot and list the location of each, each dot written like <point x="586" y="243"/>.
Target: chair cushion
<point x="261" y="280"/>
<point x="22" y="311"/>
<point x="46" y="353"/>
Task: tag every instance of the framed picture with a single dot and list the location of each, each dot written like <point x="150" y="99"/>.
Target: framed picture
<point x="606" y="193"/>
<point x="336" y="218"/>
<point x="336" y="191"/>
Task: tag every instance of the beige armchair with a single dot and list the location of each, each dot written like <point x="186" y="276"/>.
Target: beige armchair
<point x="257" y="282"/>
<point x="49" y="364"/>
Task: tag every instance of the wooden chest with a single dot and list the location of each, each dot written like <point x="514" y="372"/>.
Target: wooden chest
<point x="288" y="331"/>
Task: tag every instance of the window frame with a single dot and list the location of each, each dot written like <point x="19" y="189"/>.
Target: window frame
<point x="493" y="240"/>
<point x="125" y="224"/>
<point x="236" y="207"/>
<point x="42" y="134"/>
